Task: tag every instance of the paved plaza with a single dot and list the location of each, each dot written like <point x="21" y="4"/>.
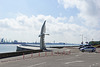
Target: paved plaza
<point x="51" y="59"/>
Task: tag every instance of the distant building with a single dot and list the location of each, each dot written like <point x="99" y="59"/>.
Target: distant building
<point x="2" y="40"/>
<point x="15" y="41"/>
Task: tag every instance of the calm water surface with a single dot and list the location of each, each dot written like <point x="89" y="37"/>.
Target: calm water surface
<point x="4" y="48"/>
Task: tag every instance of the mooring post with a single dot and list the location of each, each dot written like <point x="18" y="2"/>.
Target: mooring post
<point x="52" y="53"/>
<point x="32" y="54"/>
<point x="23" y="55"/>
<point x="39" y="54"/>
<point x="45" y="53"/>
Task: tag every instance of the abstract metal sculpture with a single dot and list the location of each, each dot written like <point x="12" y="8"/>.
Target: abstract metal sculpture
<point x="42" y="36"/>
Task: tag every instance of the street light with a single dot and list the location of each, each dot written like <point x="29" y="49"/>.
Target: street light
<point x="82" y="39"/>
<point x="86" y="40"/>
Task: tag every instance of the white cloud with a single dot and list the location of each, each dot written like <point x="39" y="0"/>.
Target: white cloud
<point x="68" y="3"/>
<point x="71" y="19"/>
<point x="24" y="28"/>
<point x="89" y="15"/>
<point x="89" y="10"/>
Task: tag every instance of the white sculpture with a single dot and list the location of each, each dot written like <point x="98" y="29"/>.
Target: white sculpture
<point x="42" y="36"/>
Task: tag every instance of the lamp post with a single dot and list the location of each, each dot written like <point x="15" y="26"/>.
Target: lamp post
<point x="86" y="40"/>
<point x="82" y="39"/>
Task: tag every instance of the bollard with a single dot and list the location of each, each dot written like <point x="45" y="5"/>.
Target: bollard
<point x="63" y="52"/>
<point x="52" y="53"/>
<point x="58" y="53"/>
<point x="39" y="54"/>
<point x="23" y="56"/>
<point x="45" y="53"/>
<point x="31" y="54"/>
<point x="69" y="51"/>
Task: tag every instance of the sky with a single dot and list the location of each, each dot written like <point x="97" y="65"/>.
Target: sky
<point x="67" y="20"/>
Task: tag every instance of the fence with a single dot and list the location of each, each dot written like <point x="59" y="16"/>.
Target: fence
<point x="36" y="55"/>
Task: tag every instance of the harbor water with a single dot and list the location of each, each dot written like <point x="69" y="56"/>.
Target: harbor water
<point x="5" y="48"/>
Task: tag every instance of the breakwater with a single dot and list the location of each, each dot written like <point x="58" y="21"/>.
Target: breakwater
<point x="18" y="53"/>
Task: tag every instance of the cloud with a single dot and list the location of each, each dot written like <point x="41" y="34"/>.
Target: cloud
<point x="88" y="16"/>
<point x="89" y="10"/>
<point x="61" y="29"/>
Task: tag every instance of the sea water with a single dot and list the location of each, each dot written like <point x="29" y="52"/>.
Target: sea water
<point x="5" y="48"/>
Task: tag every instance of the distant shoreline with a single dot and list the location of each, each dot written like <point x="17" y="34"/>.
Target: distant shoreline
<point x="24" y="43"/>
